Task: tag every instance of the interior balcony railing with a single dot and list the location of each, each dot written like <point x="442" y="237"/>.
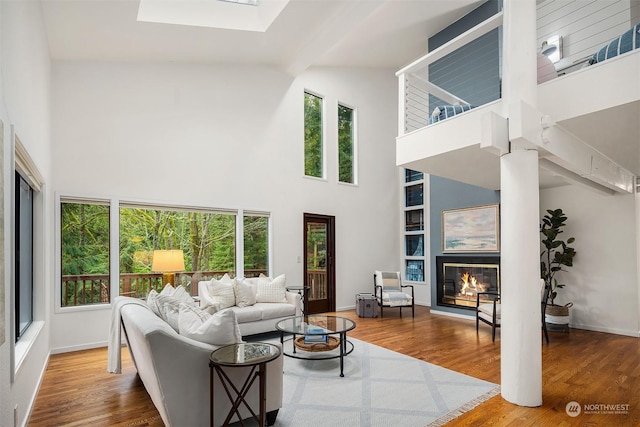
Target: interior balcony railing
<point x="87" y="289"/>
<point x="454" y="77"/>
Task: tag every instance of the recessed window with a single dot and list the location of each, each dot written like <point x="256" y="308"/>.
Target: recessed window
<point x="313" y="138"/>
<point x="207" y="240"/>
<point x="414" y="220"/>
<point x="413" y="195"/>
<point x="24" y="255"/>
<point x="346" y="145"/>
<point x="256" y="245"/>
<point x="411" y="175"/>
<point x="85" y="253"/>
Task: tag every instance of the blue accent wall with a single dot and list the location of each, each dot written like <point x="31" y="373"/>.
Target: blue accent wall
<point x="473" y="71"/>
<point x="445" y="194"/>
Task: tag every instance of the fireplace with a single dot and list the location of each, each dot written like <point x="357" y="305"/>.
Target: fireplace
<point x="460" y="278"/>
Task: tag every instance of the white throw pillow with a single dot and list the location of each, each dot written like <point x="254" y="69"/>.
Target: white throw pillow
<point x="169" y="307"/>
<point x="152" y="302"/>
<point x="221" y="293"/>
<point x="220" y="328"/>
<point x="245" y="296"/>
<point x="271" y="290"/>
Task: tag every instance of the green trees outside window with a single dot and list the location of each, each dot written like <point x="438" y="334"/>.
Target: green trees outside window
<point x="345" y="144"/>
<point x="256" y="245"/>
<point x="207" y="239"/>
<point x="85" y="253"/>
<point x="313" y="136"/>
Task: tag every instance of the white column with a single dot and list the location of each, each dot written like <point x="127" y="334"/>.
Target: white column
<point x="520" y="336"/>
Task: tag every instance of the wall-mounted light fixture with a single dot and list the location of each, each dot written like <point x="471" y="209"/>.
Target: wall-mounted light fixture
<point x="552" y="48"/>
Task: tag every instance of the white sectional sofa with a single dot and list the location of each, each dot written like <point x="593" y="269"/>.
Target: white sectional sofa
<point x="175" y="371"/>
<point x="257" y="317"/>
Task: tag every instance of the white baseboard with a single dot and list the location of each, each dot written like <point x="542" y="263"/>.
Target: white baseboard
<point x="615" y="331"/>
<point x="450" y="314"/>
<point x="79" y="347"/>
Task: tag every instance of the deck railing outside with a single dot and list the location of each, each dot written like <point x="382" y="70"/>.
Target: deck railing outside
<point x="86" y="289"/>
<point x="317" y="282"/>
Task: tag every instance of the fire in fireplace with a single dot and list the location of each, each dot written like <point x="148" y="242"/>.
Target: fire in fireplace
<point x="461" y="278"/>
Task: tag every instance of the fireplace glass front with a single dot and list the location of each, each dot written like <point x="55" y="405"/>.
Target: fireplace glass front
<point x="460" y="281"/>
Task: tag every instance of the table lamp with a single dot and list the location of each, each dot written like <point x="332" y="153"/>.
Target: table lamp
<point x="168" y="262"/>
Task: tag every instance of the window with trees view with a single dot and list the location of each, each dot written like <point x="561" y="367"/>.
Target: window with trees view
<point x="346" y="145"/>
<point x="207" y="239"/>
<point x="85" y="253"/>
<point x="313" y="145"/>
<point x="256" y="245"/>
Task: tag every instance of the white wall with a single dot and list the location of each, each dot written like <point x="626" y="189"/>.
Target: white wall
<point x="228" y="137"/>
<point x="603" y="282"/>
<point x="584" y="25"/>
<point x="24" y="102"/>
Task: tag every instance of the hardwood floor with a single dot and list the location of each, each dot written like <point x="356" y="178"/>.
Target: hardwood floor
<point x="590" y="368"/>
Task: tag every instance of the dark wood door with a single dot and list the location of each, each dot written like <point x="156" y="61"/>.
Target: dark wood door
<point x="319" y="263"/>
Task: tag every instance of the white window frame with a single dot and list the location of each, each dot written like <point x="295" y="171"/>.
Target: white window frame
<point x="354" y="144"/>
<point x="324" y="139"/>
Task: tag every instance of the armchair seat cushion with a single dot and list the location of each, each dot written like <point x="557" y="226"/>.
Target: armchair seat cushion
<point x="395" y="298"/>
<point x="485" y="311"/>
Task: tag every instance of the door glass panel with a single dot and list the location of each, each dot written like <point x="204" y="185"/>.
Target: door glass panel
<point x="317" y="260"/>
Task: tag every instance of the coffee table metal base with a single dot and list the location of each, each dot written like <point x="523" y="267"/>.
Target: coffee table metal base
<point x="345" y="348"/>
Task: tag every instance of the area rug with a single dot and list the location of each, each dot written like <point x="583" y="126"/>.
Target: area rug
<point x="379" y="388"/>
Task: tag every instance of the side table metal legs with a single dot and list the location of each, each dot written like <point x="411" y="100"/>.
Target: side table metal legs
<point x="238" y="396"/>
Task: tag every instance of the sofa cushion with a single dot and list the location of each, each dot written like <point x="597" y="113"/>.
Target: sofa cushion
<point x="248" y="314"/>
<point x="152" y="298"/>
<point x="220" y="328"/>
<point x="271" y="290"/>
<point x="273" y="311"/>
<point x="169" y="304"/>
<point x="221" y="293"/>
<point x="244" y="292"/>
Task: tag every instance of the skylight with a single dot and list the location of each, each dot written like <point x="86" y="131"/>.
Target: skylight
<point x="248" y="2"/>
<point x="225" y="14"/>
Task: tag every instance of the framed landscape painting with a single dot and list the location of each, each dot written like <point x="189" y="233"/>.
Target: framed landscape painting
<point x="474" y="229"/>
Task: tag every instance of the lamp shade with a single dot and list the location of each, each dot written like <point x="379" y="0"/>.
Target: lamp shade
<point x="168" y="260"/>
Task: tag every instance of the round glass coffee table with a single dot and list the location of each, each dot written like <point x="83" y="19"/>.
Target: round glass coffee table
<point x="317" y="337"/>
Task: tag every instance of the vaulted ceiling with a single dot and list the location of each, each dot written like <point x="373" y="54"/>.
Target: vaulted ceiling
<point x="335" y="33"/>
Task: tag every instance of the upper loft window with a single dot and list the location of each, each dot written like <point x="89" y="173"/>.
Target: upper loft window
<point x="346" y="145"/>
<point x="313" y="136"/>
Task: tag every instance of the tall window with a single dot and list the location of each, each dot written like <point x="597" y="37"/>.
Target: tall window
<point x="24" y="255"/>
<point x="207" y="240"/>
<point x="85" y="253"/>
<point x="313" y="149"/>
<point x="256" y="245"/>
<point x="414" y="250"/>
<point x="346" y="145"/>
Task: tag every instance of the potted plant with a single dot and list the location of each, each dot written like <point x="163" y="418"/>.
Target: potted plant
<point x="556" y="256"/>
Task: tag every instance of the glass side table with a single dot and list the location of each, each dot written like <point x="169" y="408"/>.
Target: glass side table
<point x="254" y="355"/>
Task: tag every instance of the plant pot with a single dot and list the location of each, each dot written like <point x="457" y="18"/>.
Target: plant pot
<point x="557" y="317"/>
